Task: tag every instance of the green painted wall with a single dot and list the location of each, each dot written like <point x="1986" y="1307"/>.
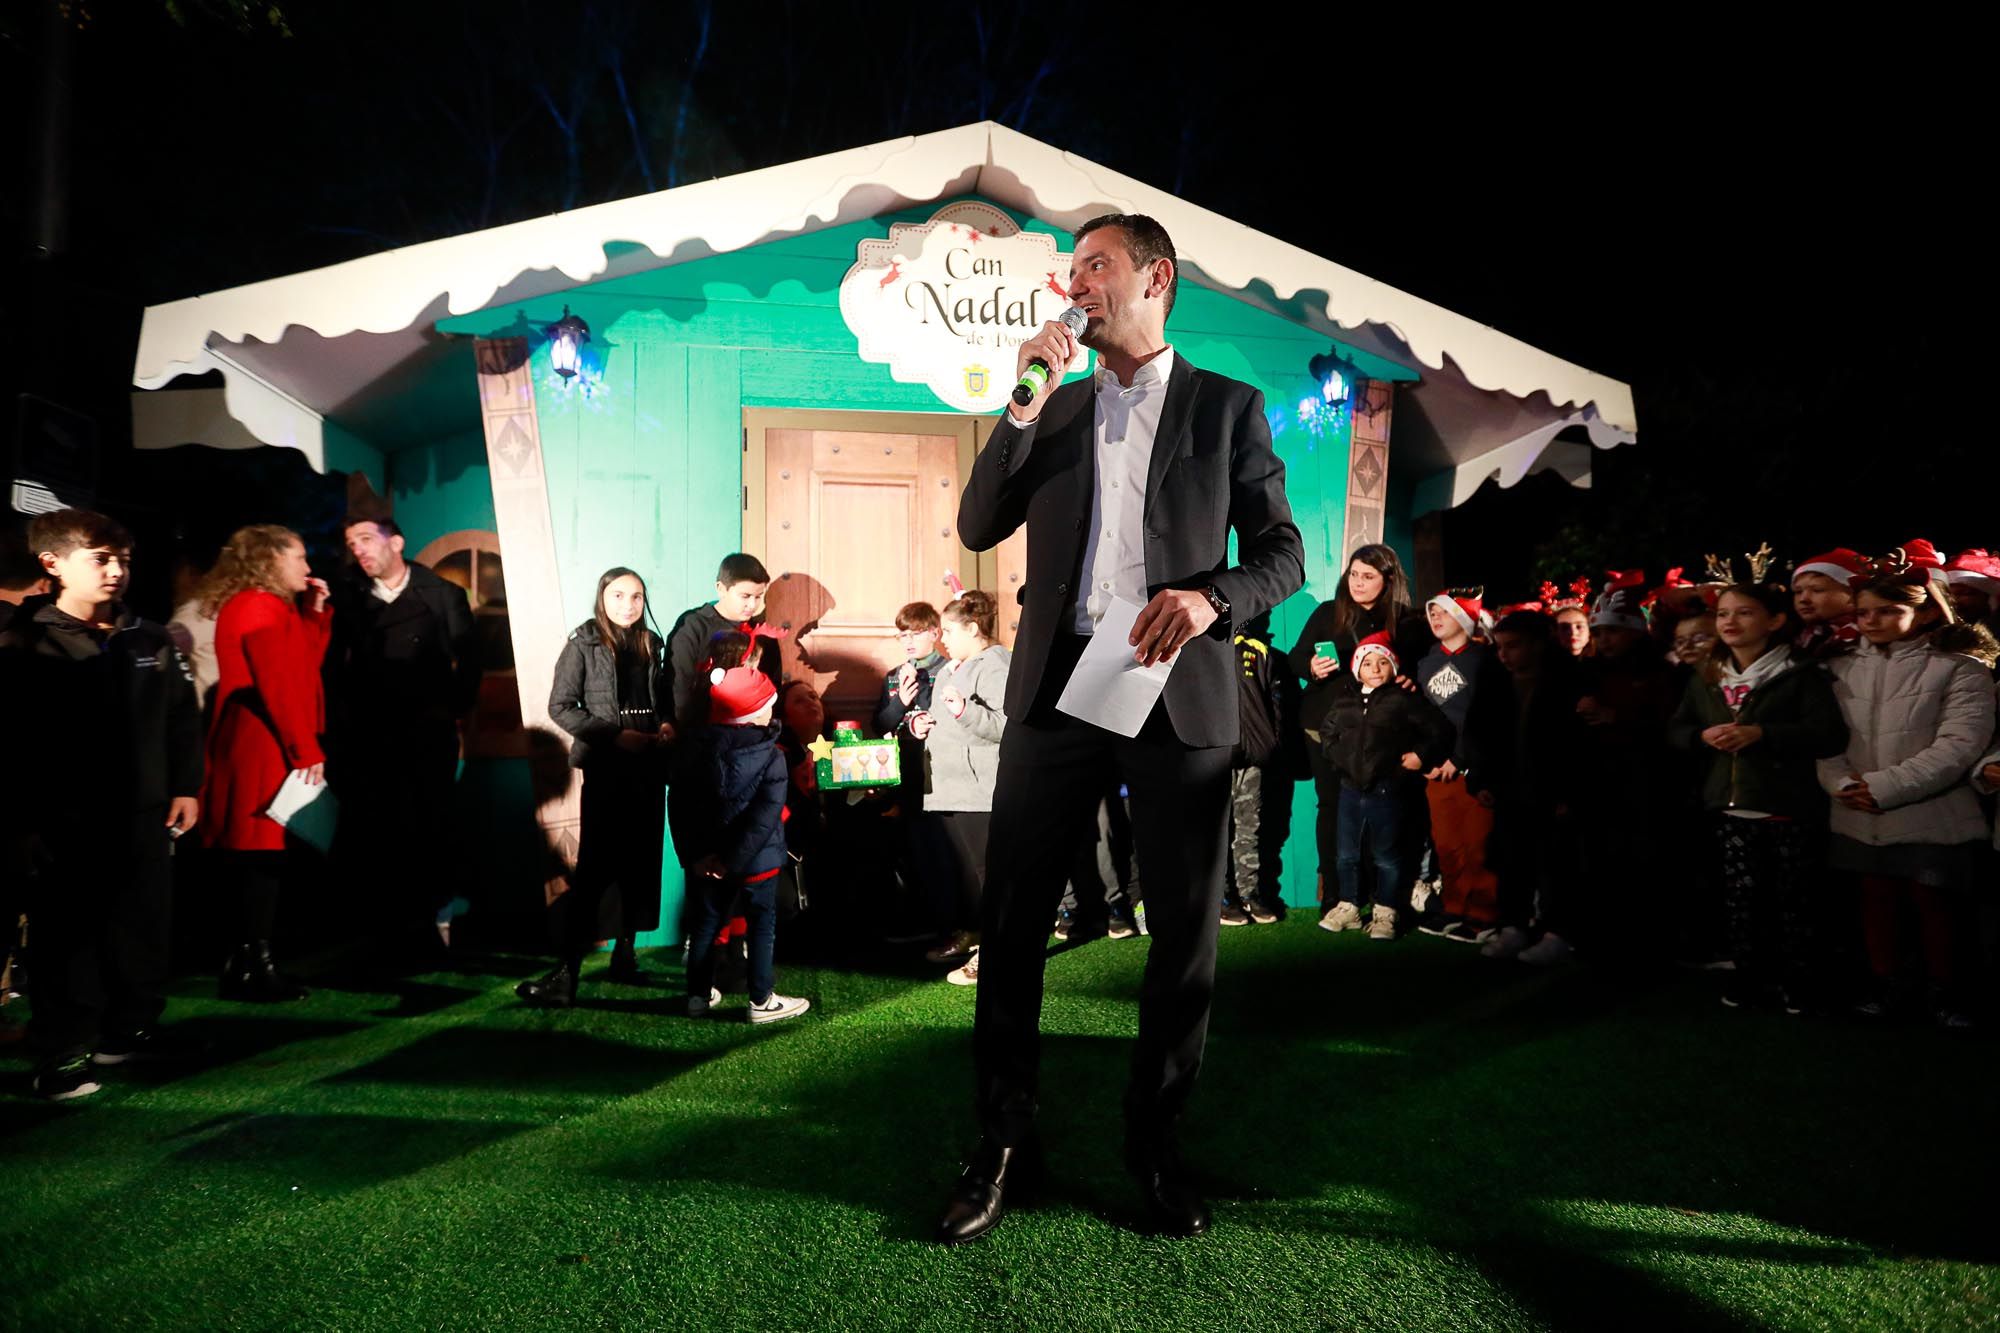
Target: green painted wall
<point x="441" y="487"/>
<point x="644" y="459"/>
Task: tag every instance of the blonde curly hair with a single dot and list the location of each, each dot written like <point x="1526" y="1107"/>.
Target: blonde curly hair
<point x="249" y="559"/>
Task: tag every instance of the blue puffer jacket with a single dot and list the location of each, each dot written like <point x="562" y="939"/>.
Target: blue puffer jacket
<point x="728" y="797"/>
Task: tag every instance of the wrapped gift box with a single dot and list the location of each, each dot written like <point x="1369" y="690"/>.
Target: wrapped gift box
<point x="857" y="762"/>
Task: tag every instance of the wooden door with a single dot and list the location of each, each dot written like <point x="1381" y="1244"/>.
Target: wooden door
<point x="857" y="523"/>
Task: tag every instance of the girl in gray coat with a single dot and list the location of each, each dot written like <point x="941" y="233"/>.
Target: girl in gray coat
<point x="961" y="734"/>
<point x="1919" y="717"/>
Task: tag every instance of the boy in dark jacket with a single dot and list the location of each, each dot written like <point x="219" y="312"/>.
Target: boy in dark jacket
<point x="1458" y="667"/>
<point x="727" y="805"/>
<point x="741" y="584"/>
<point x="1529" y="743"/>
<point x="1252" y="889"/>
<point x="1377" y="738"/>
<point x="105" y="746"/>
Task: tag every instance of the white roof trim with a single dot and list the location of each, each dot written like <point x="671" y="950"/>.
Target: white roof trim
<point x="1537" y="451"/>
<point x="388" y="292"/>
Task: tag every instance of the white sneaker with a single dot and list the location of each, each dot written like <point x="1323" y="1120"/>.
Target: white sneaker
<point x="1344" y="916"/>
<point x="1421" y="894"/>
<point x="1506" y="942"/>
<point x="1382" y="923"/>
<point x="968" y="975"/>
<point x="1551" y="948"/>
<point x="778" y="1007"/>
<point x="698" y="1006"/>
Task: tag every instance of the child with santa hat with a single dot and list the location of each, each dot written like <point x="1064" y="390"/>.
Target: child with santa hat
<point x="1377" y="738"/>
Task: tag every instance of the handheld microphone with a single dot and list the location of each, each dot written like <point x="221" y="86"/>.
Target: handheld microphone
<point x="1037" y="374"/>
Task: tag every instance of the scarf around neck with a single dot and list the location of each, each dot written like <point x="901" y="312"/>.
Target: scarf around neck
<point x="1737" y="686"/>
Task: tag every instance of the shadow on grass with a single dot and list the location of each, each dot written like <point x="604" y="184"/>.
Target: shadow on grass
<point x="511" y="1060"/>
<point x="1480" y="1100"/>
<point x="877" y="1131"/>
<point x="1495" y="1087"/>
<point x="338" y="1154"/>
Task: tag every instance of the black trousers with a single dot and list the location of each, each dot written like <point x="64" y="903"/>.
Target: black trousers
<point x="398" y="825"/>
<point x="966" y="831"/>
<point x="615" y="890"/>
<point x="1054" y="770"/>
<point x="100" y="924"/>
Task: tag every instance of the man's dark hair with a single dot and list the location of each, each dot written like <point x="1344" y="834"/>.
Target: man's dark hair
<point x="1145" y="240"/>
<point x="383" y="523"/>
<point x="741" y="568"/>
<point x="67" y="530"/>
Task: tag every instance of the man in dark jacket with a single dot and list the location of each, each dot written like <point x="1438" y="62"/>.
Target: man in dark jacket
<point x="402" y="676"/>
<point x="103" y="774"/>
<point x="1130" y="485"/>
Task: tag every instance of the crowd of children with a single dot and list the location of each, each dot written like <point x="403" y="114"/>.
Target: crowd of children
<point x="1811" y="757"/>
<point x="1812" y="762"/>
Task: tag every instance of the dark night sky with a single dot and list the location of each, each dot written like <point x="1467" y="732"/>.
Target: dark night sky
<point x="1763" y="235"/>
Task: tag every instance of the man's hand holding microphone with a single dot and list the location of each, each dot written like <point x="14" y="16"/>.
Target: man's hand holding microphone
<point x="1041" y="361"/>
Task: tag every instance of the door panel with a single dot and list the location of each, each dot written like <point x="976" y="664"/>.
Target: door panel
<point x="857" y="523"/>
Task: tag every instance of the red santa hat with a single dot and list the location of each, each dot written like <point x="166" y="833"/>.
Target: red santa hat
<point x="1375" y="643"/>
<point x="1840" y="564"/>
<point x="738" y="694"/>
<point x="1622" y="603"/>
<point x="1465" y="605"/>
<point x="1977" y="568"/>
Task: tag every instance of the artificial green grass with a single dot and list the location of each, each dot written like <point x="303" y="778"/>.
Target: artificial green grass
<point x="1402" y="1136"/>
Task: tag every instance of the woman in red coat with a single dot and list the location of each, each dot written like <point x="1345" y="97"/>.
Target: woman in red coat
<point x="270" y="634"/>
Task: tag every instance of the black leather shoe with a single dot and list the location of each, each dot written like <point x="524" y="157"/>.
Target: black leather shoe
<point x="557" y="990"/>
<point x="995" y="1178"/>
<point x="1173" y="1205"/>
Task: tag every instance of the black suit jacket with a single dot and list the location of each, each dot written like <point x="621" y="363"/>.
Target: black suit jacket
<point x="1212" y="469"/>
<point x="394" y="666"/>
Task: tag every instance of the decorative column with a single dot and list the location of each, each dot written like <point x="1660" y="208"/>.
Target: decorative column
<point x="534" y="594"/>
<point x="1368" y="462"/>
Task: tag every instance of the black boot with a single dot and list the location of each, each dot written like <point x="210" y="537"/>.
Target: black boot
<point x="251" y="975"/>
<point x="557" y="990"/>
<point x="625" y="963"/>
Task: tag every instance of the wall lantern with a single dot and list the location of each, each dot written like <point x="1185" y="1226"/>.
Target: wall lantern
<point x="566" y="339"/>
<point x="1336" y="375"/>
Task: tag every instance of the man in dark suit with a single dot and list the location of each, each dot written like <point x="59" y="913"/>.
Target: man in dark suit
<point x="402" y="676"/>
<point x="1129" y="483"/>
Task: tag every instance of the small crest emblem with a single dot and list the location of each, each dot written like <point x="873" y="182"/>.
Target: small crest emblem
<point x="975" y="380"/>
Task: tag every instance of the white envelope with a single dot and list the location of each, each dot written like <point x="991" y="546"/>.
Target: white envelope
<point x="307" y="811"/>
<point x="1109" y="688"/>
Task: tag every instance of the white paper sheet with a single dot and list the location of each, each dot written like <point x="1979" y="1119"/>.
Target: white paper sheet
<point x="307" y="812"/>
<point x="1109" y="688"/>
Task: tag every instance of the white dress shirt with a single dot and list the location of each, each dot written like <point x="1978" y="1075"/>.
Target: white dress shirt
<point x="383" y="592"/>
<point x="1127" y="422"/>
